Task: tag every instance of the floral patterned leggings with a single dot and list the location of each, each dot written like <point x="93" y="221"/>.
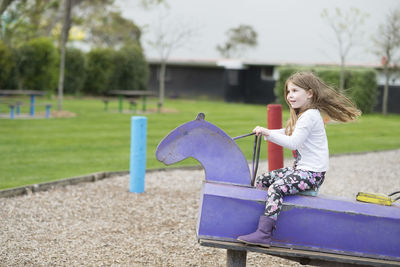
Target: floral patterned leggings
<point x="286" y="181"/>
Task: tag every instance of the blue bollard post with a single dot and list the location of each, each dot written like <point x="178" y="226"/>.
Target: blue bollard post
<point x="12" y="112"/>
<point x="138" y="154"/>
<point x="32" y="111"/>
<point x="48" y="111"/>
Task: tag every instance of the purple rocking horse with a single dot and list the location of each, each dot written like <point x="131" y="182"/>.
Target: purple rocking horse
<point x="230" y="207"/>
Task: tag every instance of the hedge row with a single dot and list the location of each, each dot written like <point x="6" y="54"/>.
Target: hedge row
<point x="35" y="66"/>
<point x="360" y="84"/>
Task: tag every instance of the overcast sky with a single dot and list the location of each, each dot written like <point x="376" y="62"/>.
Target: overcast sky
<point x="288" y="30"/>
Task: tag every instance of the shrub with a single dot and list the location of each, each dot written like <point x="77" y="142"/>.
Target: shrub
<point x="6" y="65"/>
<point x="363" y="91"/>
<point x="131" y="71"/>
<point x="360" y="84"/>
<point x="74" y="71"/>
<point x="37" y="65"/>
<point x="99" y="68"/>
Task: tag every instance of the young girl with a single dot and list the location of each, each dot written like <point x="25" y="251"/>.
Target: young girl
<point x="307" y="96"/>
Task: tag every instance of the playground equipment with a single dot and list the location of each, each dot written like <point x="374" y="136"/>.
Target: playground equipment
<point x="310" y="229"/>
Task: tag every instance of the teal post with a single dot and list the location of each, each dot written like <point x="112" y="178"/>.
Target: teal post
<point x="138" y="154"/>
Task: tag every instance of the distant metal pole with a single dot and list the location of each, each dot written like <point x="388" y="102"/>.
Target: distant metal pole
<point x="138" y="154"/>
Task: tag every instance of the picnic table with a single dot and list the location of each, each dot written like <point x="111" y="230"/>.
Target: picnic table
<point x="131" y="94"/>
<point x="31" y="93"/>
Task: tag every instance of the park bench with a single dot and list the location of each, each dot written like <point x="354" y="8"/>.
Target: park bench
<point x="15" y="104"/>
<point x="15" y="109"/>
<point x="310" y="230"/>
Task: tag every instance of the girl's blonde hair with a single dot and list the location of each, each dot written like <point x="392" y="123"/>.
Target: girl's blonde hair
<point x="324" y="98"/>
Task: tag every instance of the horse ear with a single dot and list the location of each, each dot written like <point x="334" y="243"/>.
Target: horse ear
<point x="200" y="116"/>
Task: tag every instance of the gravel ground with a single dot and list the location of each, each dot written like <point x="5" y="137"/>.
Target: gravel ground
<point x="102" y="224"/>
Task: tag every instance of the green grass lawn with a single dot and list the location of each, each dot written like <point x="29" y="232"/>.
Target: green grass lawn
<point x="41" y="150"/>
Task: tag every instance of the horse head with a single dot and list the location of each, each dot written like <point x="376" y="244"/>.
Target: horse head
<point x="219" y="154"/>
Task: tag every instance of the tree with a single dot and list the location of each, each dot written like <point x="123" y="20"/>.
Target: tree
<point x="28" y="19"/>
<point x="6" y="65"/>
<point x="148" y="4"/>
<point x="3" y="6"/>
<point x="64" y="38"/>
<point x="346" y="27"/>
<point x="110" y="29"/>
<point x="240" y="38"/>
<point x="387" y="45"/>
<point x="168" y="36"/>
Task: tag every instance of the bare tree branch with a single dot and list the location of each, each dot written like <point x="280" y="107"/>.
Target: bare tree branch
<point x="346" y="28"/>
<point x="168" y="36"/>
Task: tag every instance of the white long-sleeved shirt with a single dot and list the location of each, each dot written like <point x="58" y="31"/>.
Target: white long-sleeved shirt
<point x="309" y="139"/>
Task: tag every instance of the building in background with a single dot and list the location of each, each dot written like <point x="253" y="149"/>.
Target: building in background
<point x="228" y="80"/>
<point x="237" y="81"/>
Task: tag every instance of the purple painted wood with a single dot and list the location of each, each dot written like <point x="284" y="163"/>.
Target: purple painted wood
<point x="219" y="154"/>
<point x="310" y="223"/>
